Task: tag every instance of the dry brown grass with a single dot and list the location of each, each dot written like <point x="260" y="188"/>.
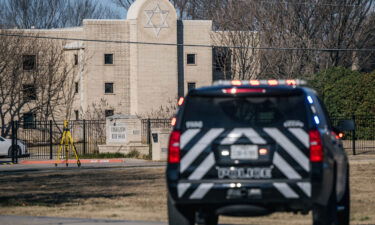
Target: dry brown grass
<point x="140" y="194"/>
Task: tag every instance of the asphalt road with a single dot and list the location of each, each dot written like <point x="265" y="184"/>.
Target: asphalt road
<point x="31" y="220"/>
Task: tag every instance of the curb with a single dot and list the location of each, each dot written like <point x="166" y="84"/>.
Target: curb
<point x="70" y="161"/>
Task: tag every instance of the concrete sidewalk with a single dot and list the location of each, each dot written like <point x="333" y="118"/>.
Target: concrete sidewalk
<point x="39" y="165"/>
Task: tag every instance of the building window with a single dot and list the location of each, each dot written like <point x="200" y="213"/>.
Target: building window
<point x="75" y="59"/>
<point x="76" y="114"/>
<point x="108" y="88"/>
<point x="109" y="112"/>
<point x="29" y="62"/>
<point x="29" y="120"/>
<point x="108" y="59"/>
<point x="222" y="57"/>
<point x="76" y="88"/>
<point x="29" y="92"/>
<point x="191" y="86"/>
<point x="191" y="59"/>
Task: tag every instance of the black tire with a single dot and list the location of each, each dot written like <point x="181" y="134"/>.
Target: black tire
<point x="208" y="218"/>
<point x="343" y="213"/>
<point x="18" y="149"/>
<point x="179" y="216"/>
<point x="211" y="219"/>
<point x="326" y="214"/>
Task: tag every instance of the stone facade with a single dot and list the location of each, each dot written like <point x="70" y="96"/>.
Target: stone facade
<point x="148" y="68"/>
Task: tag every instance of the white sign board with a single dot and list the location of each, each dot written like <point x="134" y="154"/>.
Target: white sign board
<point x="117" y="132"/>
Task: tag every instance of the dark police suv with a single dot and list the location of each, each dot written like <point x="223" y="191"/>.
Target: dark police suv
<point x="251" y="148"/>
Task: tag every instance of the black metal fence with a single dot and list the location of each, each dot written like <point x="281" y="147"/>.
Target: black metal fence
<point x="148" y="124"/>
<point x="362" y="139"/>
<point x="359" y="141"/>
<point x="41" y="138"/>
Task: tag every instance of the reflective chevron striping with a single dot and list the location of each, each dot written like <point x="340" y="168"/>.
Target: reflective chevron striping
<point x="285" y="190"/>
<point x="284" y="167"/>
<point x="201" y="191"/>
<point x="187" y="136"/>
<point x="306" y="187"/>
<point x="182" y="188"/>
<point x="289" y="147"/>
<point x="301" y="135"/>
<point x="235" y="134"/>
<point x="203" y="168"/>
<point x="206" y="139"/>
<point x="199" y="147"/>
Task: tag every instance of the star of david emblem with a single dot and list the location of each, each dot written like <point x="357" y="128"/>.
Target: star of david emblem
<point x="157" y="19"/>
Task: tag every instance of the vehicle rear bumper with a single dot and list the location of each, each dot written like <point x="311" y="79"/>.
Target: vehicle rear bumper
<point x="273" y="195"/>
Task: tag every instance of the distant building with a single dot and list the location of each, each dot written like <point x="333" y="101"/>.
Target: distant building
<point x="143" y="68"/>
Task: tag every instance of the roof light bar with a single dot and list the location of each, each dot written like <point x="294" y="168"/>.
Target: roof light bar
<point x="271" y="82"/>
<point x="243" y="90"/>
<point x="181" y="101"/>
<point x="254" y="82"/>
<point x="236" y="82"/>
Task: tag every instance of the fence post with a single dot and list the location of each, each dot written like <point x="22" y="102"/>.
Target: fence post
<point x="50" y="140"/>
<point x="13" y="141"/>
<point x="84" y="137"/>
<point x="17" y="125"/>
<point x="353" y="134"/>
<point x="149" y="137"/>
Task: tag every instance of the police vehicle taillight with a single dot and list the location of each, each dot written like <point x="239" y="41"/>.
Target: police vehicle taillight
<point x="316" y="147"/>
<point x="174" y="147"/>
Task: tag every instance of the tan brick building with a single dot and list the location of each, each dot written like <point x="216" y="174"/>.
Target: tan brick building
<point x="143" y="67"/>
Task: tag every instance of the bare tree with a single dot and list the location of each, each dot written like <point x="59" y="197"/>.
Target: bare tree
<point x="183" y="7"/>
<point x="366" y="60"/>
<point x="78" y="10"/>
<point x="96" y="111"/>
<point x="237" y="30"/>
<point x="46" y="14"/>
<point x="311" y="24"/>
<point x="33" y="74"/>
<point x="165" y="111"/>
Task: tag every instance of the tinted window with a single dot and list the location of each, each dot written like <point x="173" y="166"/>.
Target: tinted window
<point x="29" y="62"/>
<point x="245" y="111"/>
<point x="75" y="59"/>
<point x="191" y="86"/>
<point x="109" y="113"/>
<point x="191" y="59"/>
<point x="29" y="121"/>
<point x="108" y="59"/>
<point x="321" y="113"/>
<point x="76" y="88"/>
<point x="108" y="88"/>
<point x="29" y="92"/>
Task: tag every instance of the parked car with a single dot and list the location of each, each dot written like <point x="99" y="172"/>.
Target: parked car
<point x="6" y="147"/>
<point x="251" y="148"/>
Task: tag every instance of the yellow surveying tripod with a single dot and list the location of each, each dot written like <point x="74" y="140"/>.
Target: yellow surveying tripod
<point x="67" y="143"/>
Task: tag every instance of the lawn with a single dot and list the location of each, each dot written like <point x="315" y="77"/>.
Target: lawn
<point x="139" y="194"/>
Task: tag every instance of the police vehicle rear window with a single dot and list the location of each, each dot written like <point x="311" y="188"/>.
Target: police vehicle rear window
<point x="262" y="111"/>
